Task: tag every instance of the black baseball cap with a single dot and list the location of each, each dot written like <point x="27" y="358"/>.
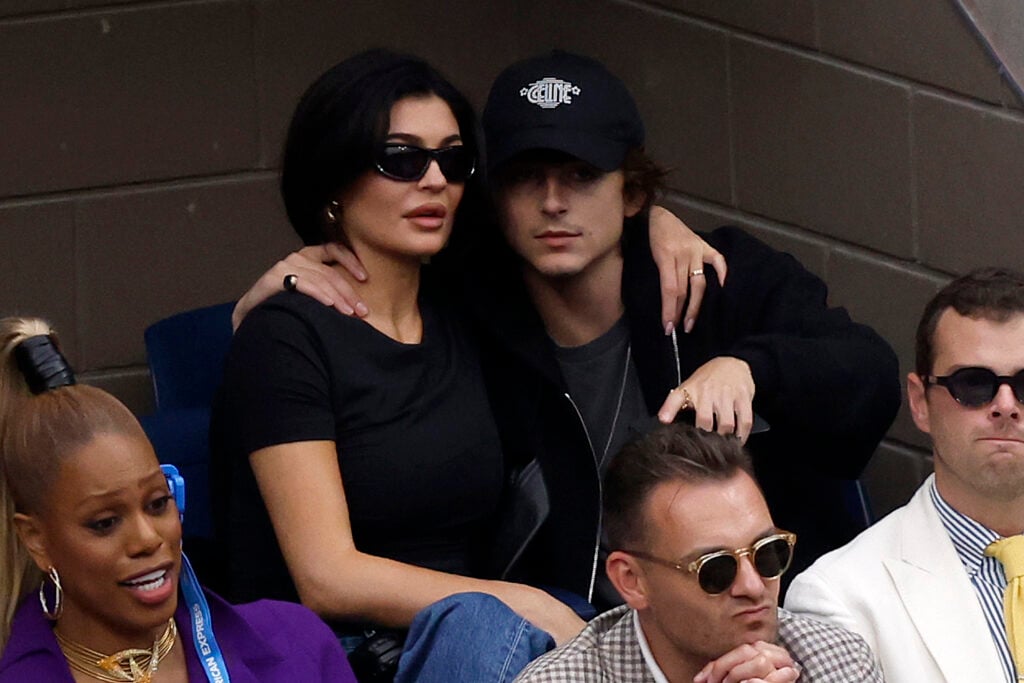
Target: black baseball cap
<point x="564" y="102"/>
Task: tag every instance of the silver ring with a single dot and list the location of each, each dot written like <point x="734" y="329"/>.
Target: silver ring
<point x="695" y="273"/>
<point x="291" y="281"/>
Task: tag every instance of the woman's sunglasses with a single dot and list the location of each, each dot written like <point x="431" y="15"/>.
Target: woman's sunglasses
<point x="716" y="571"/>
<point x="408" y="162"/>
<point x="976" y="387"/>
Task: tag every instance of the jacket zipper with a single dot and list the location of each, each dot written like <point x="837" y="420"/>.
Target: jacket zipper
<point x="600" y="496"/>
<point x="597" y="467"/>
<point x="679" y="365"/>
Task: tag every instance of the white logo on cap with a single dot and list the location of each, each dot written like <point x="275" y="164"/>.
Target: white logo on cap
<point x="548" y="93"/>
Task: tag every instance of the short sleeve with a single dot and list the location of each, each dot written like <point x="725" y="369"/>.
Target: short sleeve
<point x="276" y="385"/>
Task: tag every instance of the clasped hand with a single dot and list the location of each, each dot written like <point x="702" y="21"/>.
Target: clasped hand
<point x="676" y="249"/>
<point x="759" y="662"/>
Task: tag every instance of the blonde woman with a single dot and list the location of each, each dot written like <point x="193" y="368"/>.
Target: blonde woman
<point x="92" y="560"/>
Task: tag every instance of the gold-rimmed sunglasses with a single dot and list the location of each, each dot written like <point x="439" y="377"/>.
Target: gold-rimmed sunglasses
<point x="771" y="557"/>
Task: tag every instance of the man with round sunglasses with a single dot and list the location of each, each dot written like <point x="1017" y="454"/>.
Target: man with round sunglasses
<point x="927" y="585"/>
<point x="697" y="559"/>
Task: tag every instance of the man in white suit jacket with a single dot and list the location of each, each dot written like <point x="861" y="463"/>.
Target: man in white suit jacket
<point x="917" y="585"/>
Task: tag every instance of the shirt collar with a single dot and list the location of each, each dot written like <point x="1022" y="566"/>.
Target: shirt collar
<point x="652" y="666"/>
<point x="970" y="538"/>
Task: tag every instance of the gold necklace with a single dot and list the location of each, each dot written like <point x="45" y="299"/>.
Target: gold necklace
<point x="133" y="665"/>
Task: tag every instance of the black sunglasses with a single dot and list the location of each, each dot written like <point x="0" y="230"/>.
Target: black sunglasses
<point x="408" y="162"/>
<point x="975" y="387"/>
<point x="716" y="571"/>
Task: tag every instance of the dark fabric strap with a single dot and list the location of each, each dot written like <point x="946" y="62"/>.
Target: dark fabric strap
<point x="43" y="365"/>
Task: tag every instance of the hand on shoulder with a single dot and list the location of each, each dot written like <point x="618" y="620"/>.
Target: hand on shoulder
<point x="309" y="271"/>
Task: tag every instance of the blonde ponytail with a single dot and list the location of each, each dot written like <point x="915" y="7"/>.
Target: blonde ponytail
<point x="37" y="432"/>
<point x="18" y="574"/>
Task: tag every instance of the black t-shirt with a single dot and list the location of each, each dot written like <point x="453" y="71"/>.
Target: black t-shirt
<point x="417" y="445"/>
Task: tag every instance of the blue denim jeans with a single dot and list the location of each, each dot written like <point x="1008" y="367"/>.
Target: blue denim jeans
<point x="471" y="637"/>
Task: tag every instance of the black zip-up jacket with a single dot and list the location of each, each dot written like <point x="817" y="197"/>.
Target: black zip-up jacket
<point x="828" y="387"/>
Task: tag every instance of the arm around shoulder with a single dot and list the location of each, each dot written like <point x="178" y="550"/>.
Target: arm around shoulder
<point x="817" y="372"/>
<point x="305" y="497"/>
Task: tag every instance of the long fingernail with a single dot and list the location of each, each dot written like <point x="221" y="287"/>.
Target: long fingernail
<point x="362" y="310"/>
<point x="688" y="325"/>
<point x="669" y="326"/>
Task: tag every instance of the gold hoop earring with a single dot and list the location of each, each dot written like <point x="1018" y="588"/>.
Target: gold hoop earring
<point x="58" y="595"/>
<point x="332" y="212"/>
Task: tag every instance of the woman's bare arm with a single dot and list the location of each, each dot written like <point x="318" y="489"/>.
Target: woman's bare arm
<point x="301" y="485"/>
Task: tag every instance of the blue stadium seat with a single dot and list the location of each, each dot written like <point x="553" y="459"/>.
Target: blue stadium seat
<point x="185" y="353"/>
<point x="180" y="438"/>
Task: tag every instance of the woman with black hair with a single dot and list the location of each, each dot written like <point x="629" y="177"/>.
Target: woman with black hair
<point x="357" y="464"/>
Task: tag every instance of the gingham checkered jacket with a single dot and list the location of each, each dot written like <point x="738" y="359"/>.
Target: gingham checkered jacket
<point x="607" y="650"/>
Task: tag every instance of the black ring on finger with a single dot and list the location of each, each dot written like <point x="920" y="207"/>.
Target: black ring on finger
<point x="291" y="281"/>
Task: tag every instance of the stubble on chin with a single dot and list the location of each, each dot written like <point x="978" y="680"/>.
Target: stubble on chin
<point x="994" y="474"/>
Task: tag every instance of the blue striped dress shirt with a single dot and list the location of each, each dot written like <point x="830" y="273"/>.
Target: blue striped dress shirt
<point x="986" y="573"/>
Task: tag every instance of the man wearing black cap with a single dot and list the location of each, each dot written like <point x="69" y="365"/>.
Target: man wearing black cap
<point x="574" y="344"/>
<point x="591" y="357"/>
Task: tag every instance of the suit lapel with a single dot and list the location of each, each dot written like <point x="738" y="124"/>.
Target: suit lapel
<point x="940" y="599"/>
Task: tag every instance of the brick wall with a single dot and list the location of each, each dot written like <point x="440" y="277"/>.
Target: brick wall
<point x="874" y="140"/>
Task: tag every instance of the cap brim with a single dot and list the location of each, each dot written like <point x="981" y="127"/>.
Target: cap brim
<point x="602" y="153"/>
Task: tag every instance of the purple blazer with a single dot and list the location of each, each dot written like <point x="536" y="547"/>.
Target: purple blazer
<point x="262" y="642"/>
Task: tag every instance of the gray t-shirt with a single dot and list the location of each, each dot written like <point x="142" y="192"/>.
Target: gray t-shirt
<point x="605" y="389"/>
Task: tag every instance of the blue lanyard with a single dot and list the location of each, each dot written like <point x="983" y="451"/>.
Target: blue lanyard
<point x="202" y="626"/>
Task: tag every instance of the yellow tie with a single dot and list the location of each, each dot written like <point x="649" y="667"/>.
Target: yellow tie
<point x="1010" y="551"/>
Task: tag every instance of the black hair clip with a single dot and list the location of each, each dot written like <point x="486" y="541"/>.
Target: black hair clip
<point x="43" y="365"/>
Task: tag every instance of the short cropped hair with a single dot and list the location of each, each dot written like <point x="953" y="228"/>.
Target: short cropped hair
<point x="987" y="293"/>
<point x="339" y="124"/>
<point x="670" y="452"/>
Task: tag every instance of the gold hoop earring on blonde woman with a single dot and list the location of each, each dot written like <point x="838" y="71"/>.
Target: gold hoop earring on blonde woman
<point x="58" y="595"/>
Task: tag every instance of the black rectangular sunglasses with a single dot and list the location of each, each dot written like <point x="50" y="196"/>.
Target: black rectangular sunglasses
<point x="976" y="387"/>
<point x="409" y="162"/>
